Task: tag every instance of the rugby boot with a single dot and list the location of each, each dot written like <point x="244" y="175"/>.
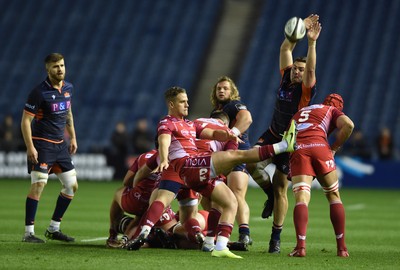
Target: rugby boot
<point x="290" y="137"/>
<point x="225" y="253"/>
<point x="245" y="238"/>
<point x="58" y="235"/>
<point x="274" y="246"/>
<point x="268" y="208"/>
<point x="136" y="243"/>
<point x="239" y="246"/>
<point x="31" y="238"/>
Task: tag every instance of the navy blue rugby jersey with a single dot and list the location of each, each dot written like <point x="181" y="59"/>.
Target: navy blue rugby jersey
<point x="232" y="108"/>
<point x="290" y="98"/>
<point x="50" y="107"/>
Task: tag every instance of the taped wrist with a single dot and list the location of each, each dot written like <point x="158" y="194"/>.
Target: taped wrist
<point x="236" y="131"/>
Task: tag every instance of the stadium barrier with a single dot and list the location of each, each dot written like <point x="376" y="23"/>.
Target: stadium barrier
<point x="88" y="166"/>
<point x="368" y="174"/>
<point x="352" y="172"/>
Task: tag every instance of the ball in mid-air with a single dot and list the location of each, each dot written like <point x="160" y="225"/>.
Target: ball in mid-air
<point x="295" y="29"/>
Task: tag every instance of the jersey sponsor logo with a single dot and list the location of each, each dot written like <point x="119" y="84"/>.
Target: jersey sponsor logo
<point x="240" y="107"/>
<point x="32" y="107"/>
<point x="310" y="145"/>
<point x="60" y="106"/>
<point x="196" y="162"/>
<point x="285" y="95"/>
<point x="184" y="132"/>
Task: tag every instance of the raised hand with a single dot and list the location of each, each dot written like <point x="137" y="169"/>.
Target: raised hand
<point x="310" y="20"/>
<point x="313" y="32"/>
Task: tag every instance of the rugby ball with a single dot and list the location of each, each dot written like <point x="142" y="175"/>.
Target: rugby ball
<point x="295" y="29"/>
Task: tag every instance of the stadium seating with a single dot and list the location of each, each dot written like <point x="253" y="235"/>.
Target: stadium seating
<point x="357" y="58"/>
<point x="122" y="56"/>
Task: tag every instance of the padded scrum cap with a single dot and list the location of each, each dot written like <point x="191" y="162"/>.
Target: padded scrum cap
<point x="335" y="100"/>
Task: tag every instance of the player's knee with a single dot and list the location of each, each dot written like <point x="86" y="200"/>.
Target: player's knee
<point x="69" y="182"/>
<point x="259" y="174"/>
<point x="229" y="202"/>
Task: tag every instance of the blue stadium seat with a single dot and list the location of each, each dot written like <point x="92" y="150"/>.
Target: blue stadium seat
<point x="121" y="57"/>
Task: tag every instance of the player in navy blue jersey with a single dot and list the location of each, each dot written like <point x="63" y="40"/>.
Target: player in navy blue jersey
<point x="47" y="114"/>
<point x="296" y="90"/>
<point x="225" y="97"/>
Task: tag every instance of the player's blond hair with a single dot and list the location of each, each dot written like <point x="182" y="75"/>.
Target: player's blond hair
<point x="234" y="91"/>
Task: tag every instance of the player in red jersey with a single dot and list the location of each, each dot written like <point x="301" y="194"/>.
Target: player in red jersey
<point x="204" y="147"/>
<point x="314" y="158"/>
<point x="296" y="90"/>
<point x="177" y="149"/>
<point x="133" y="199"/>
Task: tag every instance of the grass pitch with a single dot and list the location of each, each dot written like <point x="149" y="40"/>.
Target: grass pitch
<point x="372" y="234"/>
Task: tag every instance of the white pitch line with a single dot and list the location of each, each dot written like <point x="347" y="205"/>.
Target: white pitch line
<point x="359" y="206"/>
<point x="94" y="239"/>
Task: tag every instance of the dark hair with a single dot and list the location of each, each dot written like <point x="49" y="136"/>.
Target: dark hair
<point x="172" y="92"/>
<point x="300" y="59"/>
<point x="53" y="57"/>
<point x="218" y="114"/>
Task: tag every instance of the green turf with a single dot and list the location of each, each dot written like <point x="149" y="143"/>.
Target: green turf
<point x="373" y="236"/>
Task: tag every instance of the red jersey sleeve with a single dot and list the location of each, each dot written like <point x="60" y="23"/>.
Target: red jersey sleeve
<point x="164" y="127"/>
<point x="135" y="166"/>
<point x="152" y="162"/>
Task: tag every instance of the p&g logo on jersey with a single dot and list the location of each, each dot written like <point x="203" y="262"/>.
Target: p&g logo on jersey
<point x="60" y="106"/>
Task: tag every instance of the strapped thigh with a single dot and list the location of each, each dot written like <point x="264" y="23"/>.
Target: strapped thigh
<point x="332" y="188"/>
<point x="302" y="186"/>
